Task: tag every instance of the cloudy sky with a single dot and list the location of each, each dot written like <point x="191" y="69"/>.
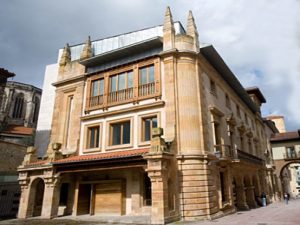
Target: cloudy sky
<point x="259" y="40"/>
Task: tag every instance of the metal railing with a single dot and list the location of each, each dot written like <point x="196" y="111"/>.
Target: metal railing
<point x="96" y="100"/>
<point x="291" y="155"/>
<point x="120" y="96"/>
<point x="147" y="89"/>
<point x="224" y="151"/>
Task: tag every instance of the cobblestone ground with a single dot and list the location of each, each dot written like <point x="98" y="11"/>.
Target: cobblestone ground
<point x="274" y="214"/>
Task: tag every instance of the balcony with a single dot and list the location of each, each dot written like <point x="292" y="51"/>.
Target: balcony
<point x="120" y="96"/>
<point x="224" y="152"/>
<point x="293" y="155"/>
<point x="133" y="94"/>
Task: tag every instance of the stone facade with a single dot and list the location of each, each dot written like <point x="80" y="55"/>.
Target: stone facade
<point x="156" y="123"/>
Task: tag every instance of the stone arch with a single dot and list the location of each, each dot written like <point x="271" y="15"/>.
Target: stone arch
<point x="284" y="176"/>
<point x="36" y="197"/>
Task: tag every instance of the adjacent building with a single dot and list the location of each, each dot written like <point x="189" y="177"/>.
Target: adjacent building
<point x="19" y="106"/>
<point x="286" y="155"/>
<point x="150" y="123"/>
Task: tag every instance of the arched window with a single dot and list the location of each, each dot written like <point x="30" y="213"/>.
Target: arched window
<point x="36" y="109"/>
<point x="18" y="107"/>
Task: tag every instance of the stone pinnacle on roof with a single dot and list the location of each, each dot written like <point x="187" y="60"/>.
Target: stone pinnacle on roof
<point x="87" y="50"/>
<point x="192" y="30"/>
<point x="66" y="56"/>
<point x="169" y="30"/>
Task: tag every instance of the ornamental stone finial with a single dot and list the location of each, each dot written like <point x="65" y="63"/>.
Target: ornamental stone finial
<point x="87" y="49"/>
<point x="66" y="56"/>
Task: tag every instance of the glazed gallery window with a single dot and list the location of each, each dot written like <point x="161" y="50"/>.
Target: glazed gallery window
<point x="148" y="124"/>
<point x="93" y="137"/>
<point x="146" y="80"/>
<point x="146" y="75"/>
<point x="97" y="92"/>
<point x="97" y="87"/>
<point x="121" y="81"/>
<point x="120" y="133"/>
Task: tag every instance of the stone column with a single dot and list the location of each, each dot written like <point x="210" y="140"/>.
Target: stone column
<point x="51" y="196"/>
<point x="240" y="194"/>
<point x="250" y="197"/>
<point x="24" y="199"/>
<point x="157" y="171"/>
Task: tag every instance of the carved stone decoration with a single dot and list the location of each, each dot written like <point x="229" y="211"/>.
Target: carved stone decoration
<point x="66" y="56"/>
<point x="87" y="50"/>
<point x="158" y="144"/>
<point x="55" y="154"/>
<point x="30" y="156"/>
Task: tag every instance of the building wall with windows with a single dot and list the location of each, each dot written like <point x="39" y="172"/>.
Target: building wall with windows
<point x="150" y="123"/>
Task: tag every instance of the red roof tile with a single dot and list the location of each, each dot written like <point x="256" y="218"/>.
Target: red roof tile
<point x="285" y="136"/>
<point x="103" y="156"/>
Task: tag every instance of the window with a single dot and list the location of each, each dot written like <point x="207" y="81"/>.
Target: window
<point x="213" y="88"/>
<point x="146" y="80"/>
<point x="227" y="100"/>
<point x="97" y="87"/>
<point x="36" y="109"/>
<point x="63" y="198"/>
<point x="93" y="137"/>
<point x="238" y="111"/>
<point x="121" y="86"/>
<point x="120" y="133"/>
<point x="246" y="119"/>
<point x="147" y="124"/>
<point x="19" y="107"/>
<point x="97" y="91"/>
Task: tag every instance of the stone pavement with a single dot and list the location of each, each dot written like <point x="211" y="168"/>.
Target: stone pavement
<point x="274" y="214"/>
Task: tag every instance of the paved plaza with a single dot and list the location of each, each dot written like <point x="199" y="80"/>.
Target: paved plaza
<point x="274" y="214"/>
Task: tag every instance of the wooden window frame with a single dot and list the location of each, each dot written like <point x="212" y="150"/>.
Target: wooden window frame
<point x="86" y="148"/>
<point x="142" y="142"/>
<point x="109" y="145"/>
<point x="106" y="75"/>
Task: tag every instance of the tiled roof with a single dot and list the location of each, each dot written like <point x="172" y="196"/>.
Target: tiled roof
<point x="285" y="136"/>
<point x="19" y="130"/>
<point x="103" y="156"/>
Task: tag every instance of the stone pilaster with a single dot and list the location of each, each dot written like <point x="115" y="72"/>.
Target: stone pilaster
<point x="51" y="196"/>
<point x="250" y="197"/>
<point x="158" y="160"/>
<point x="157" y="171"/>
<point x="240" y="195"/>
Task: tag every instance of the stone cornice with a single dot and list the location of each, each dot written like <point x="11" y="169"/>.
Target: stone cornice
<point x="125" y="110"/>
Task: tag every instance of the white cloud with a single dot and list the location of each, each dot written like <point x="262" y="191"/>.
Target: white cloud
<point x="259" y="40"/>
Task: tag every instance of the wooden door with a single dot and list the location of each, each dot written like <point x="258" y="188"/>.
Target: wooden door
<point x="84" y="198"/>
<point x="109" y="198"/>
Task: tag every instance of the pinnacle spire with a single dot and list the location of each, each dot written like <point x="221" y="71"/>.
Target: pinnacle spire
<point x="192" y="29"/>
<point x="168" y="30"/>
<point x="87" y="49"/>
<point x="66" y="56"/>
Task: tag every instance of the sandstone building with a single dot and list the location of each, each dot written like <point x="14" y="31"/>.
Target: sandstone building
<point x="286" y="155"/>
<point x="150" y="122"/>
